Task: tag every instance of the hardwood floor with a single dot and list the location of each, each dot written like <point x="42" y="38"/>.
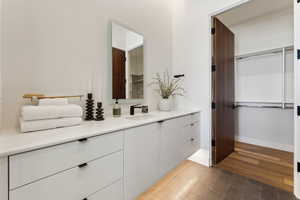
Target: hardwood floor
<point x="191" y="181"/>
<point x="265" y="165"/>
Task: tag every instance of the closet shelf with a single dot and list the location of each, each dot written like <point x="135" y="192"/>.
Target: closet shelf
<point x="264" y="52"/>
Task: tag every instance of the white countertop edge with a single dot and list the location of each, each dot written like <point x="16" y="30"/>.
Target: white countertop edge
<point x="13" y="142"/>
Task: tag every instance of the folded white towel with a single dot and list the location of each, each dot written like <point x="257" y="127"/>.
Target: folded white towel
<point x="57" y="102"/>
<point x="50" y="112"/>
<point x="38" y="125"/>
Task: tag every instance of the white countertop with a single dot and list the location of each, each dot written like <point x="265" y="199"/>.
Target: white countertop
<point x="14" y="142"/>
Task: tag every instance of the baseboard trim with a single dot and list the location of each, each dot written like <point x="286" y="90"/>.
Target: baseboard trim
<point x="283" y="147"/>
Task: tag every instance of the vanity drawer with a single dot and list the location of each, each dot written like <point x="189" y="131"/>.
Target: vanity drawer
<point x="191" y="139"/>
<point x="76" y="183"/>
<point x="32" y="166"/>
<point x="112" y="192"/>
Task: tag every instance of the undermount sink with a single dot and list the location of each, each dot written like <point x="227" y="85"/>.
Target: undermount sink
<point x="140" y="117"/>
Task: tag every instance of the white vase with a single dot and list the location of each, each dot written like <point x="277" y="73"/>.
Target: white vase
<point x="165" y="105"/>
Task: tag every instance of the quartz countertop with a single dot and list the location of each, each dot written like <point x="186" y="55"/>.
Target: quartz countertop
<point x="13" y="142"/>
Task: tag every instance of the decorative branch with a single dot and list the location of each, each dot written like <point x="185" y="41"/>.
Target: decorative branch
<point x="168" y="86"/>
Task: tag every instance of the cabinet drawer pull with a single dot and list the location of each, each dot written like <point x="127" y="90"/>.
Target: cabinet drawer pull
<point x="83" y="165"/>
<point x="85" y="199"/>
<point x="192" y="124"/>
<point x="192" y="139"/>
<point x="82" y="140"/>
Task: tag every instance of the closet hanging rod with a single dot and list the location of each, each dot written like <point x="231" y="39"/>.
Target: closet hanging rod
<point x="258" y="106"/>
<point x="262" y="102"/>
<point x="265" y="52"/>
<point x="264" y="105"/>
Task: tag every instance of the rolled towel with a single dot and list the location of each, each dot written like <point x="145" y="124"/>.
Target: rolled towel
<point x="53" y="102"/>
<point x="39" y="125"/>
<point x="50" y="112"/>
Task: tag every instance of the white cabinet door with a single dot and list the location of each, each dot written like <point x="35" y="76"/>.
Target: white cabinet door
<point x="4" y="178"/>
<point x="172" y="144"/>
<point x="141" y="154"/>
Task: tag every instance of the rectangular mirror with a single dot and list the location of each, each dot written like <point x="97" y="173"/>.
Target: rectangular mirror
<point x="127" y="63"/>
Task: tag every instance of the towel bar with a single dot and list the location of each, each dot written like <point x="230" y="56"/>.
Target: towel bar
<point x="35" y="97"/>
<point x="41" y="96"/>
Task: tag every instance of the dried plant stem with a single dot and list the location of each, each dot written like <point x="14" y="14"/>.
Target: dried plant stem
<point x="168" y="86"/>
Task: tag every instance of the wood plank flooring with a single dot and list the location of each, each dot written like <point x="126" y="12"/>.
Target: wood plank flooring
<point x="191" y="181"/>
<point x="269" y="166"/>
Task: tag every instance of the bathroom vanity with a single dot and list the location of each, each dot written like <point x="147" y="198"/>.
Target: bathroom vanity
<point x="113" y="160"/>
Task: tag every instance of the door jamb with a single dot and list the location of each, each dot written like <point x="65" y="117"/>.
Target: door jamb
<point x="210" y="17"/>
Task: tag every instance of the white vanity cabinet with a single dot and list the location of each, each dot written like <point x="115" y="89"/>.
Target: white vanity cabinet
<point x="180" y="139"/>
<point x="69" y="171"/>
<point x="151" y="151"/>
<point x="142" y="151"/>
<point x="35" y="165"/>
<point x="116" y="164"/>
<point x="75" y="183"/>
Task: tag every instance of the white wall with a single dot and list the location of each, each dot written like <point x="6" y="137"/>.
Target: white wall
<point x="125" y="39"/>
<point x="191" y="56"/>
<point x="134" y="40"/>
<point x="119" y="34"/>
<point x="297" y="95"/>
<point x="62" y="46"/>
<point x="270" y="31"/>
<point x="260" y="79"/>
<point x="267" y="127"/>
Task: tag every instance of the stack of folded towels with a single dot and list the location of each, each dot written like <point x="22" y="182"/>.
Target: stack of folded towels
<point x="50" y="114"/>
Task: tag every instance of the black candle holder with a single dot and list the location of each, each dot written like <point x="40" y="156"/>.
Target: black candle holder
<point x="89" y="108"/>
<point x="99" y="112"/>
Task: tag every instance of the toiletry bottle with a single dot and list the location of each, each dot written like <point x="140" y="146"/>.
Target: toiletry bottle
<point x="117" y="109"/>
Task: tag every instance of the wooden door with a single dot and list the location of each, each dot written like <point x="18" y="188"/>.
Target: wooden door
<point x="223" y="91"/>
<point x="119" y="73"/>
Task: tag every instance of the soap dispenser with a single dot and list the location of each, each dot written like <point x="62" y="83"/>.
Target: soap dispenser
<point x="116" y="109"/>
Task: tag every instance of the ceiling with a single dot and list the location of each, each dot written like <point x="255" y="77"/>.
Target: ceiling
<point x="254" y="8"/>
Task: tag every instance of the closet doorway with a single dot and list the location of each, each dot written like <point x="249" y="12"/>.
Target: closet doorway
<point x="253" y="91"/>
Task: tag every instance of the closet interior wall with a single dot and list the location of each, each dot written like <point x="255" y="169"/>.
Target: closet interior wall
<point x="259" y="79"/>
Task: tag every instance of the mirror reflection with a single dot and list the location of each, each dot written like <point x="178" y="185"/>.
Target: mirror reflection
<point x="127" y="63"/>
